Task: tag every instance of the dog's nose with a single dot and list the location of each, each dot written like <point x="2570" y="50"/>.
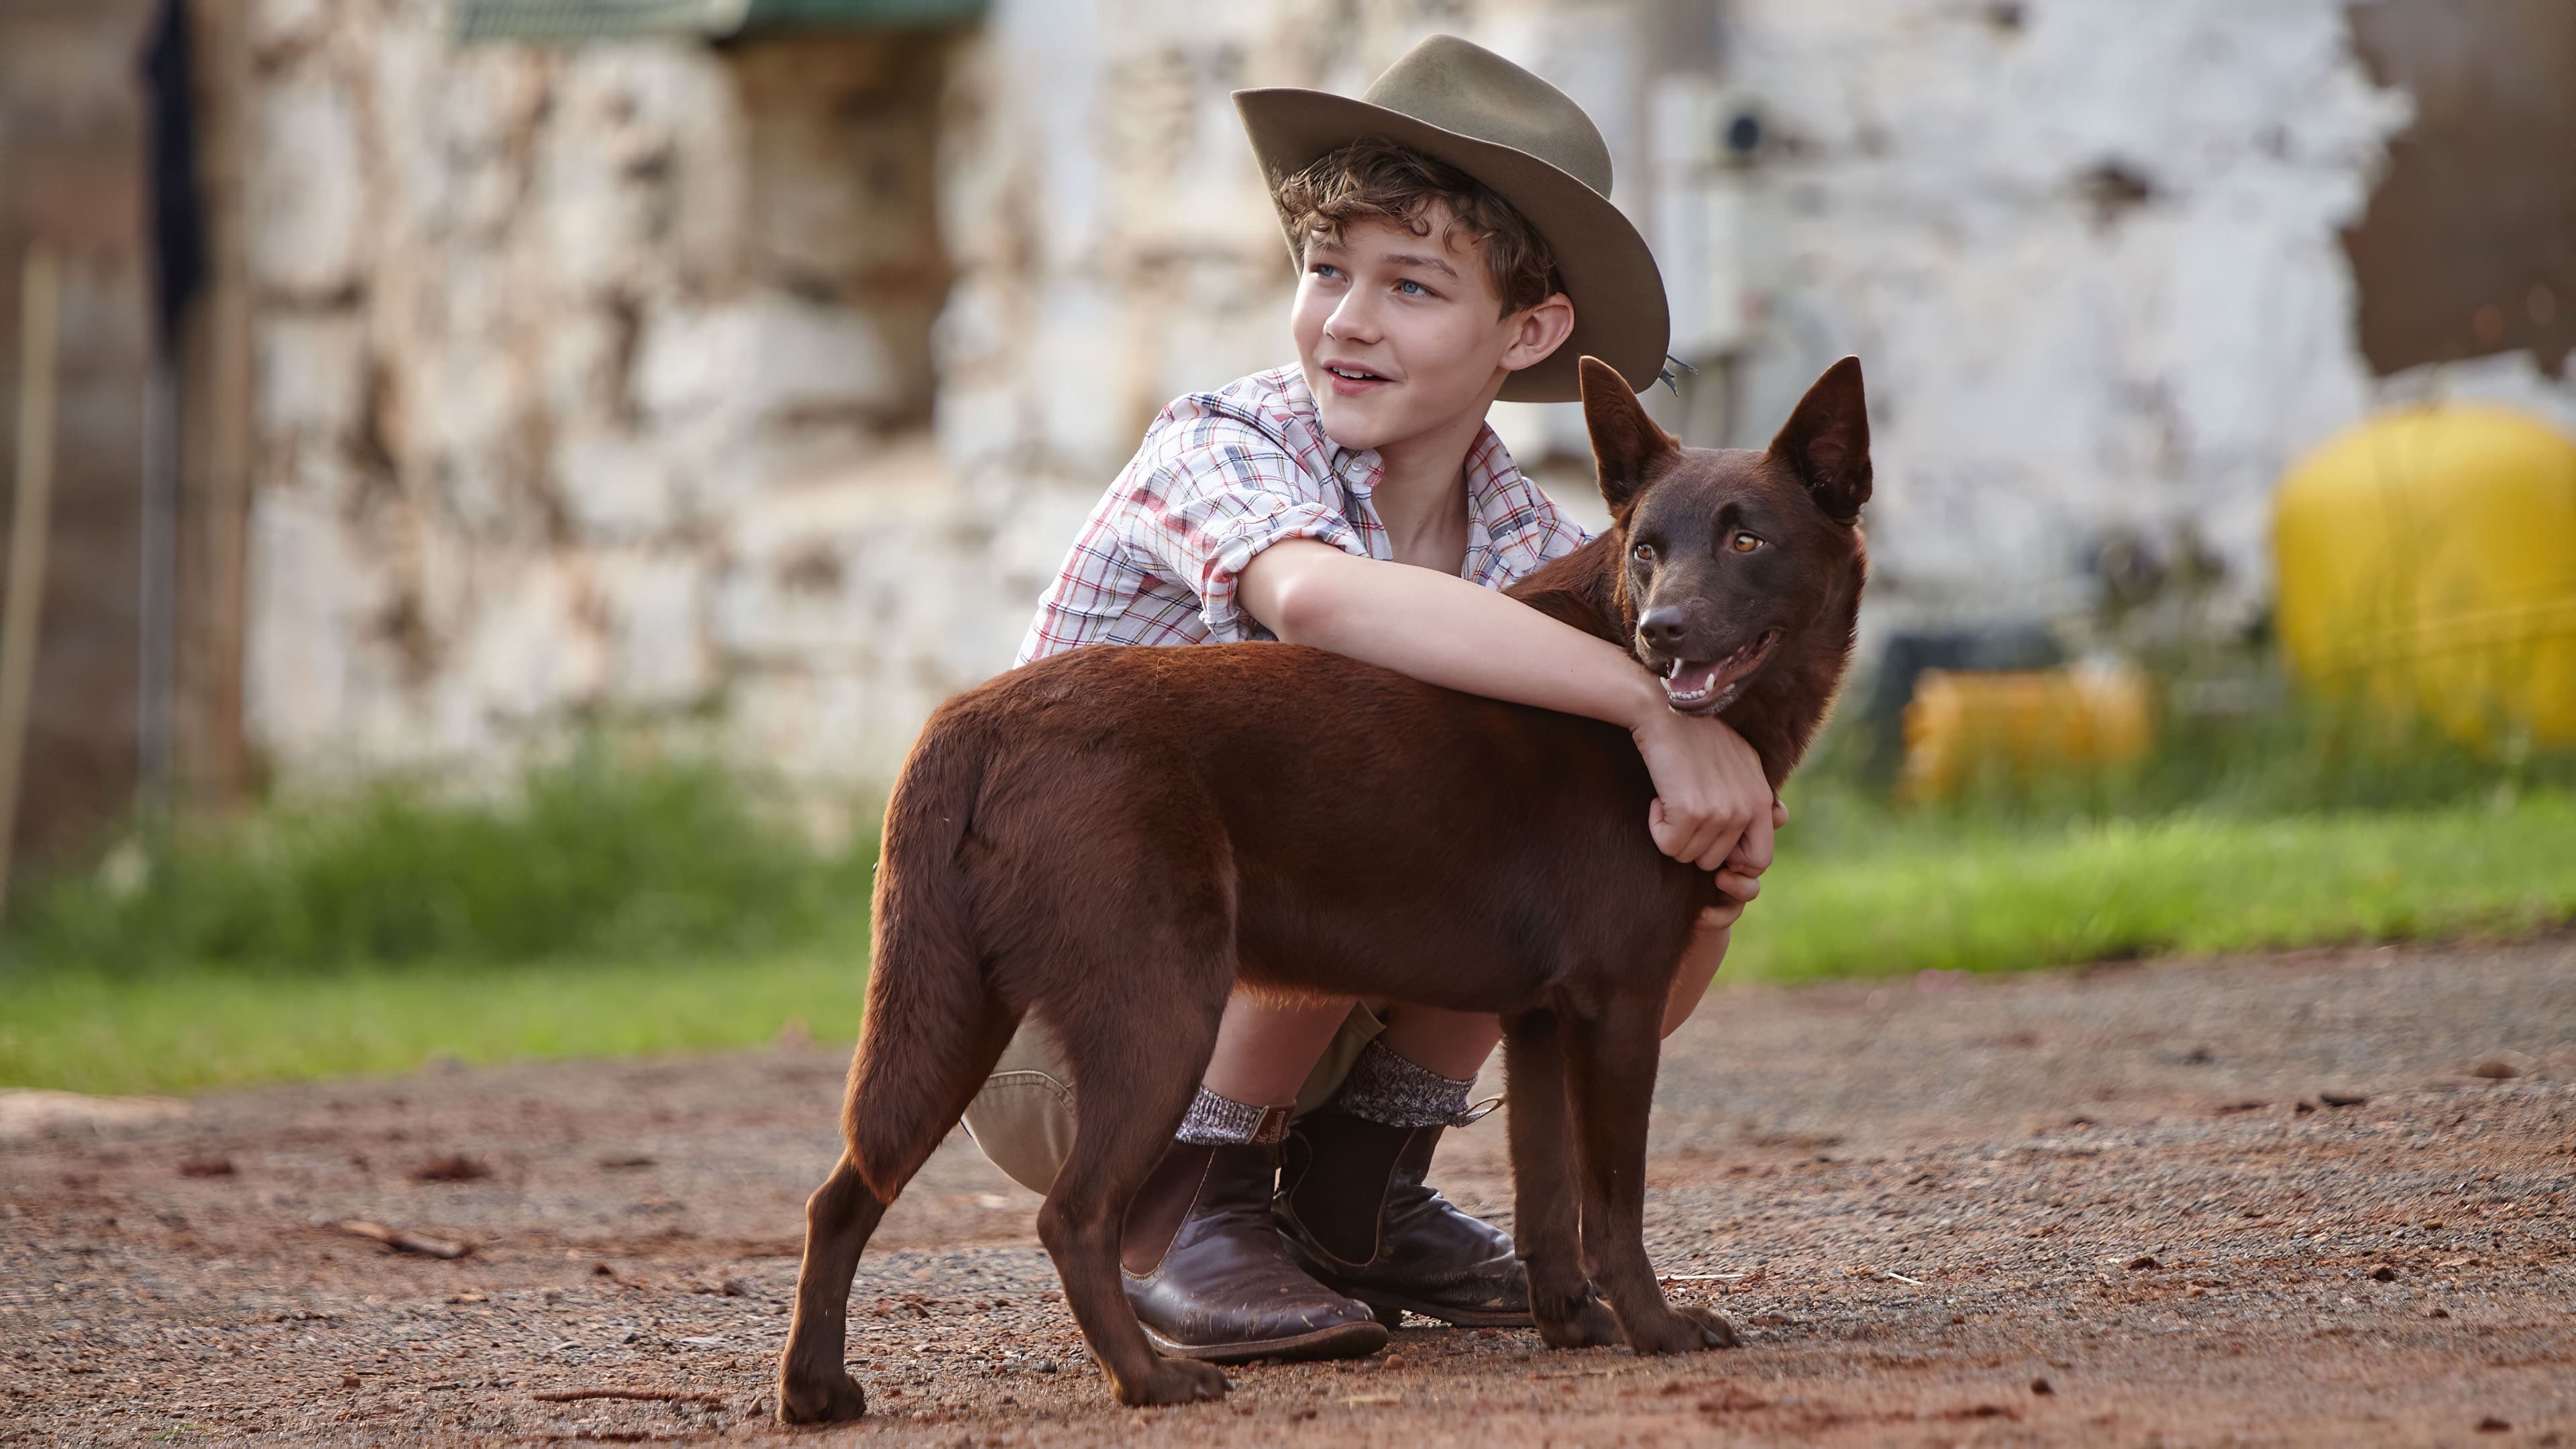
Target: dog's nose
<point x="1661" y="626"/>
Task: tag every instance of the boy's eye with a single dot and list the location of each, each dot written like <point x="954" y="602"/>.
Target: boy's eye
<point x="1412" y="288"/>
<point x="1744" y="543"/>
<point x="1643" y="553"/>
<point x="1325" y="269"/>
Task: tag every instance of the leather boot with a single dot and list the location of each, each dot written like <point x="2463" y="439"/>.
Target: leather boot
<point x="1358" y="1216"/>
<point x="1209" y="1277"/>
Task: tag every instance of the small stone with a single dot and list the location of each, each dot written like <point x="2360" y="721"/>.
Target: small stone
<point x="2342" y="1099"/>
<point x="2143" y="1262"/>
<point x="454" y="1167"/>
<point x="2492" y="1425"/>
<point x="1958" y="1318"/>
<point x="348" y="1381"/>
<point x="2497" y="1069"/>
<point x="2196" y="1291"/>
<point x="1046" y="1366"/>
<point x="2432" y="1225"/>
<point x="602" y="1270"/>
<point x="2042" y="1386"/>
<point x="1391" y="1362"/>
<point x="2383" y="1274"/>
<point x="2304" y="1108"/>
<point x="206" y="1167"/>
<point x="2436" y="1310"/>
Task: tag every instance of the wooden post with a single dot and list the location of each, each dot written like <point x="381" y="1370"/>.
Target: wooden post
<point x="28" y="529"/>
<point x="214" y="757"/>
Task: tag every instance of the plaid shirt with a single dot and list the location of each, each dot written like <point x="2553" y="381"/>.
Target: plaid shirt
<point x="1223" y="475"/>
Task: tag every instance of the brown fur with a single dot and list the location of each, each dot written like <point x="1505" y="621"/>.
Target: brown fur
<point x="1108" y="840"/>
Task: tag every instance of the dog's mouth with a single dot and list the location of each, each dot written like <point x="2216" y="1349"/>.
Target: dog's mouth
<point x="1703" y="686"/>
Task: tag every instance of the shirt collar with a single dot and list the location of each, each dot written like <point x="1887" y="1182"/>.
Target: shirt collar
<point x="1500" y="511"/>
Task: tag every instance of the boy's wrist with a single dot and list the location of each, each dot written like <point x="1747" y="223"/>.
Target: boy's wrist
<point x="1642" y="704"/>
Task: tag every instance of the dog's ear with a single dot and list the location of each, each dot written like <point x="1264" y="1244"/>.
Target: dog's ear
<point x="1826" y="441"/>
<point x="1626" y="444"/>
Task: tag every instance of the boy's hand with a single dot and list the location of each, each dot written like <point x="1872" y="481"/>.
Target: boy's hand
<point x="1740" y="883"/>
<point x="1713" y="806"/>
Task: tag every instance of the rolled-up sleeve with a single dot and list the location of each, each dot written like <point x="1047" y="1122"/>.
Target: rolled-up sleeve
<point x="1218" y="506"/>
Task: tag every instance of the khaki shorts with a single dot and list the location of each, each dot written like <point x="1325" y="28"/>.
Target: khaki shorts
<point x="1023" y="1119"/>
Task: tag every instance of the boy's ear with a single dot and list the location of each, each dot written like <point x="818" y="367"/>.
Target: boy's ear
<point x="1626" y="444"/>
<point x="1826" y="441"/>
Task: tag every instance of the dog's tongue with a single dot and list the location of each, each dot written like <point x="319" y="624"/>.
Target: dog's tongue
<point x="1692" y="680"/>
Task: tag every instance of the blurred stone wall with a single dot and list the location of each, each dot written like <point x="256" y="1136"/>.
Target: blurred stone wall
<point x="591" y="385"/>
<point x="759" y="390"/>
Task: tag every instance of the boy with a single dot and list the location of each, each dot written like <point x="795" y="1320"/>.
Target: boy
<point x="1456" y="244"/>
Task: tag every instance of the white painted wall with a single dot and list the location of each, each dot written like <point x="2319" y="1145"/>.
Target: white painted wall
<point x="2044" y="370"/>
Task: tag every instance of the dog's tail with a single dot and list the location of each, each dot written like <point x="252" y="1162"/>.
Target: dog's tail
<point x="928" y="1040"/>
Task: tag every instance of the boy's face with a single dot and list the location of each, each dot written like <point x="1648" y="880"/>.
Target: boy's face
<point x="1402" y="335"/>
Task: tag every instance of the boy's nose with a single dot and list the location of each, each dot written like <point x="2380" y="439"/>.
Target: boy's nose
<point x="1351" y="322"/>
<point x="1661" y="626"/>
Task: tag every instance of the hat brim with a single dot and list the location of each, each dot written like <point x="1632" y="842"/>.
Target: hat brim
<point x="1620" y="314"/>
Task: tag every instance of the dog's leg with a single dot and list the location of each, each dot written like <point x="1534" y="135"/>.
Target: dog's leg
<point x="910" y="1099"/>
<point x="1544" y="1229"/>
<point x="813" y="1385"/>
<point x="1611" y="1064"/>
<point x="1134" y="1070"/>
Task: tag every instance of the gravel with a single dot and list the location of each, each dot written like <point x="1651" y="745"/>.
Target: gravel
<point x="2087" y="1207"/>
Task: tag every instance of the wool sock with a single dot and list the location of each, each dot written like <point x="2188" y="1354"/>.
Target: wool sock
<point x="1215" y="1121"/>
<point x="1393" y="1091"/>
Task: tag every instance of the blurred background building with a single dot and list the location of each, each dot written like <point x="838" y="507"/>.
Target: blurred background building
<point x="742" y="368"/>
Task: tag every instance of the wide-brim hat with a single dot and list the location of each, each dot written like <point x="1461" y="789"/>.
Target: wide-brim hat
<point x="1460" y="103"/>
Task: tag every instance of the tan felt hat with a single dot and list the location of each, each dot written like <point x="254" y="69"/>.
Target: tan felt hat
<point x="1460" y="103"/>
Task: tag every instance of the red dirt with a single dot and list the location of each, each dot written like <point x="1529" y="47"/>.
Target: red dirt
<point x="2100" y="1207"/>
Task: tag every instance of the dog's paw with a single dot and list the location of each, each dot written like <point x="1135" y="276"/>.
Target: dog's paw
<point x="1682" y="1330"/>
<point x="1175" y="1381"/>
<point x="1721" y="1333"/>
<point x="1585" y="1323"/>
<point x="821" y="1399"/>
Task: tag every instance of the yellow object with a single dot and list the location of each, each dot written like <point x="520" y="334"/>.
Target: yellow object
<point x="2427" y="563"/>
<point x="2023" y="720"/>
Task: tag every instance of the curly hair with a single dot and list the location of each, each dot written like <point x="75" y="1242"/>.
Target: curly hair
<point x="1375" y="179"/>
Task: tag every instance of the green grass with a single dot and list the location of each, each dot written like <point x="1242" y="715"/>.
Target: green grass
<point x="1920" y="896"/>
<point x="603" y="908"/>
<point x="608" y="909"/>
<point x="1924" y="895"/>
<point x="589" y="857"/>
<point x="187" y="1028"/>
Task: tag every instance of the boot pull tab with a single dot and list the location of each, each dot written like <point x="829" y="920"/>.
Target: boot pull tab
<point x="1477" y="1113"/>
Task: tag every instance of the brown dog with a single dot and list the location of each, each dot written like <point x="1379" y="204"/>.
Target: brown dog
<point x="1109" y="839"/>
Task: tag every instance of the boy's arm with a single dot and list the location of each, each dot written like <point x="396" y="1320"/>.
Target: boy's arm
<point x="1712" y="800"/>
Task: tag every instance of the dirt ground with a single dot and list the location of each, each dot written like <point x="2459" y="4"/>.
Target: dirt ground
<point x="2321" y="1199"/>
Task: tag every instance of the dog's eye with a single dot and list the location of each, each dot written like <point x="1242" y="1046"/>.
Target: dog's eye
<point x="1744" y="543"/>
<point x="1643" y="553"/>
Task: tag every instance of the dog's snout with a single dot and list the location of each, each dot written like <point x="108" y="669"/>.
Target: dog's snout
<point x="1661" y="626"/>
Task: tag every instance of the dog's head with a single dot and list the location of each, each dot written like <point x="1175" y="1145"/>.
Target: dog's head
<point x="1729" y="555"/>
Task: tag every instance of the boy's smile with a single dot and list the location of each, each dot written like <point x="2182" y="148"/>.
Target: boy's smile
<point x="1402" y="336"/>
